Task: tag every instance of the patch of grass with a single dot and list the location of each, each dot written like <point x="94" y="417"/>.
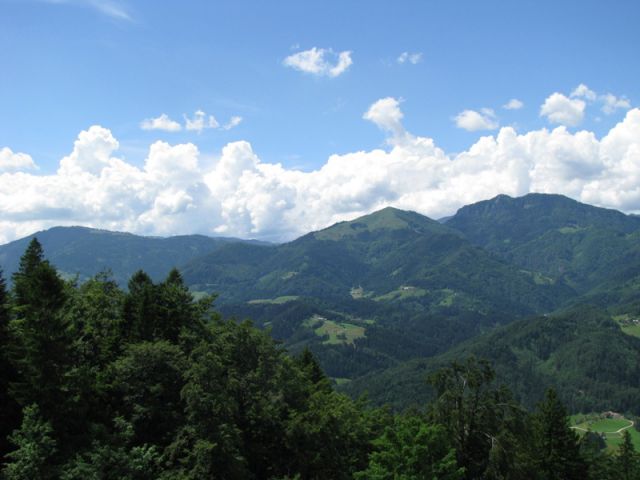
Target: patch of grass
<point x="337" y="332"/>
<point x="288" y="275"/>
<point x="402" y="293"/>
<point x="569" y="230"/>
<point x="275" y="301"/>
<point x="608" y="427"/>
<point x="628" y="324"/>
<point x="341" y="381"/>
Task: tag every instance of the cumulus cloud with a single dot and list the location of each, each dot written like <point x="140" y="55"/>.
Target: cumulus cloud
<point x="178" y="190"/>
<point x="320" y="61"/>
<point x="513" y="104"/>
<point x="558" y="108"/>
<point x="163" y="122"/>
<point x="10" y="161"/>
<point x="386" y="114"/>
<point x="413" y="58"/>
<point x="472" y="121"/>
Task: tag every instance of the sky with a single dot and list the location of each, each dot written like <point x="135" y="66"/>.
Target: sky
<point x="267" y="120"/>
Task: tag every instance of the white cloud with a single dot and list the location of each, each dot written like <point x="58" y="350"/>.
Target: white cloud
<point x="10" y="161"/>
<point x="163" y="122"/>
<point x="386" y="114"/>
<point x="320" y="61"/>
<point x="200" y="121"/>
<point x="513" y="104"/>
<point x="582" y="91"/>
<point x="473" y="121"/>
<point x="413" y="58"/>
<point x="611" y="103"/>
<point x="563" y="110"/>
<point x="179" y="190"/>
<point x="232" y="123"/>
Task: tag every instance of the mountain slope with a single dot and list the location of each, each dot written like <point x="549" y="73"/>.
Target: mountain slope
<point x="579" y="244"/>
<point x="85" y="251"/>
<point x="582" y="352"/>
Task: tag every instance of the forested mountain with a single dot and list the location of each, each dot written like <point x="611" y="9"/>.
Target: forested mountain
<point x="152" y="384"/>
<point x="560" y="238"/>
<point x="368" y="295"/>
<point x="86" y="251"/>
<point x="581" y="352"/>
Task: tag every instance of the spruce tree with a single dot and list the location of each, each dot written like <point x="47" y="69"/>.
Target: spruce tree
<point x="627" y="462"/>
<point x="42" y="351"/>
<point x="9" y="410"/>
<point x="555" y="447"/>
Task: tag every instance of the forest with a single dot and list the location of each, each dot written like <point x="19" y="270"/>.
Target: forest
<point x="149" y="383"/>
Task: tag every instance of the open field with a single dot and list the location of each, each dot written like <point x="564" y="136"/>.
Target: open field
<point x="629" y="324"/>
<point x="611" y="428"/>
<point x="337" y="332"/>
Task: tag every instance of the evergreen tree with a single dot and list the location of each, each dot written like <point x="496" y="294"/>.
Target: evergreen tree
<point x="627" y="461"/>
<point x="42" y="340"/>
<point x="556" y="448"/>
<point x="140" y="309"/>
<point x="32" y="460"/>
<point x="9" y="409"/>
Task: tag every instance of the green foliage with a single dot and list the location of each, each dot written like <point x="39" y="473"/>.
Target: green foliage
<point x="35" y="448"/>
<point x="412" y="449"/>
<point x="556" y="449"/>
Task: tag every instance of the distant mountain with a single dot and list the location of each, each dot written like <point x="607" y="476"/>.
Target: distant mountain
<point x="561" y="238"/>
<point x="581" y="352"/>
<point x="372" y="292"/>
<point x="86" y="251"/>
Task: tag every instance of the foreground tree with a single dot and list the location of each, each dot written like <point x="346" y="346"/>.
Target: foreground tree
<point x="33" y="457"/>
<point x="627" y="461"/>
<point x="412" y="449"/>
<point x="556" y="449"/>
<point x="41" y="350"/>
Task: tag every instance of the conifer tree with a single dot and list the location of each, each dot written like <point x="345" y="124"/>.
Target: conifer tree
<point x="42" y="351"/>
<point x="627" y="462"/>
<point x="9" y="410"/>
<point x="556" y="448"/>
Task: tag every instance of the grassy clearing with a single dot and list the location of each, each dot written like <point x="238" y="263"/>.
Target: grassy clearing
<point x="402" y="293"/>
<point x="337" y="332"/>
<point x="608" y="427"/>
<point x="628" y="324"/>
<point x="276" y="301"/>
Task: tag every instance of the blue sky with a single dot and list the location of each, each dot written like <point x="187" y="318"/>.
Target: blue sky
<point x="71" y="64"/>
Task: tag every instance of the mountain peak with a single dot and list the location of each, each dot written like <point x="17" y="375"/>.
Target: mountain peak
<point x="388" y="218"/>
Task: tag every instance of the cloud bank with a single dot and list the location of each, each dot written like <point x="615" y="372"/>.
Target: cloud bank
<point x="178" y="190"/>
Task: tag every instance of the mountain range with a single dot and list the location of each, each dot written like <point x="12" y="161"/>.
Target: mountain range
<point x="544" y="286"/>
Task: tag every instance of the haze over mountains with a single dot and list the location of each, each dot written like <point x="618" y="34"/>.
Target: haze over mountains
<point x="387" y="297"/>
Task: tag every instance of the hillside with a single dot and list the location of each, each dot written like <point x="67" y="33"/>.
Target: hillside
<point x="86" y="251"/>
<point x="581" y="352"/>
<point x="373" y="292"/>
<point x="558" y="237"/>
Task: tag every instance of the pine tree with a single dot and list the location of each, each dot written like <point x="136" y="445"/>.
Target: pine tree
<point x="627" y="462"/>
<point x="42" y="350"/>
<point x="9" y="409"/>
<point x="555" y="447"/>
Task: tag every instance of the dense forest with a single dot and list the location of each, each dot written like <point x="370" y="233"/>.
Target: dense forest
<point x="148" y="383"/>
